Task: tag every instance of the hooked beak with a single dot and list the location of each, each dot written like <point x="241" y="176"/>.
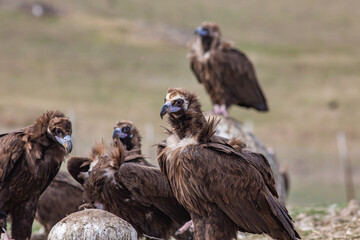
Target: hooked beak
<point x="165" y="109"/>
<point x="65" y="142"/>
<point x="202" y="32"/>
<point x="168" y="108"/>
<point x="118" y="133"/>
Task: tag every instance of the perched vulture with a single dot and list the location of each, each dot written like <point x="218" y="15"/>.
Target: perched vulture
<point x="29" y="160"/>
<point x="124" y="186"/>
<point x="62" y="197"/>
<point x="227" y="74"/>
<point x="224" y="187"/>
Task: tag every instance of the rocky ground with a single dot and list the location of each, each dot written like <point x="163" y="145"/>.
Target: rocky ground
<point x="331" y="222"/>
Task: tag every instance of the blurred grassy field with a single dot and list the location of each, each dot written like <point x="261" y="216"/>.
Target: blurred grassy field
<point x="103" y="61"/>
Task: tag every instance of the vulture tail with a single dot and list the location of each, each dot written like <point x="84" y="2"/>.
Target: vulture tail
<point x="284" y="219"/>
<point x="262" y="107"/>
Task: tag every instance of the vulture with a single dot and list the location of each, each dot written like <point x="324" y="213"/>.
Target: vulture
<point x="227" y="74"/>
<point x="123" y="185"/>
<point x="224" y="186"/>
<point x="64" y="193"/>
<point x="29" y="160"/>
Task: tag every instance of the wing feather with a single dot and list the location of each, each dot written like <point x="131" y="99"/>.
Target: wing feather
<point x="238" y="78"/>
<point x="11" y="149"/>
<point x="236" y="186"/>
<point x="150" y="187"/>
<point x="257" y="160"/>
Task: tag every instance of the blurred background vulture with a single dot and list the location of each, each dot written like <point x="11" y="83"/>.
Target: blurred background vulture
<point x="224" y="187"/>
<point x="127" y="186"/>
<point x="62" y="197"/>
<point x="227" y="74"/>
<point x="29" y="160"/>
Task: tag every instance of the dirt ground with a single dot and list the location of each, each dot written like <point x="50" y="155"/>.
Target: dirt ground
<point x="330" y="222"/>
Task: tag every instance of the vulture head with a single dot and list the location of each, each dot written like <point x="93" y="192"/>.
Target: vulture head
<point x="55" y="126"/>
<point x="184" y="109"/>
<point x="210" y="35"/>
<point x="60" y="130"/>
<point x="128" y="135"/>
<point x="179" y="102"/>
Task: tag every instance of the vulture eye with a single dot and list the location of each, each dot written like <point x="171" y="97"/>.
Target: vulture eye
<point x="126" y="129"/>
<point x="179" y="102"/>
<point x="58" y="131"/>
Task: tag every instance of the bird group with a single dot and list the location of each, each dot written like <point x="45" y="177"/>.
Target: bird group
<point x="214" y="184"/>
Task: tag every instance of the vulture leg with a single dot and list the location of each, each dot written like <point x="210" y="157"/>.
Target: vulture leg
<point x="185" y="227"/>
<point x="219" y="226"/>
<point x="216" y="109"/>
<point x="199" y="227"/>
<point x="22" y="218"/>
<point x="223" y="110"/>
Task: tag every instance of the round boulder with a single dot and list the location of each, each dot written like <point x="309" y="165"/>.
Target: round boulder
<point x="92" y="224"/>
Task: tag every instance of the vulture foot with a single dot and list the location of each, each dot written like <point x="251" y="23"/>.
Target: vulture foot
<point x="220" y="110"/>
<point x="187" y="226"/>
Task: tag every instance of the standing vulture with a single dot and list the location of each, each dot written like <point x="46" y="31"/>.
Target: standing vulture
<point x="29" y="160"/>
<point x="62" y="197"/>
<point x="123" y="185"/>
<point x="224" y="188"/>
<point x="227" y="74"/>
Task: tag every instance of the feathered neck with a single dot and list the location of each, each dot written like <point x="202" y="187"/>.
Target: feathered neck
<point x="190" y="123"/>
<point x="209" y="44"/>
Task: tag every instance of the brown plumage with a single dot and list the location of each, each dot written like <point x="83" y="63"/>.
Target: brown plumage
<point x="29" y="160"/>
<point x="227" y="74"/>
<point x="137" y="193"/>
<point x="62" y="197"/>
<point x="224" y="187"/>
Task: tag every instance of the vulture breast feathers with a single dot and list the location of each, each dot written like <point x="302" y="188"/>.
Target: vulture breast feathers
<point x="29" y="160"/>
<point x="138" y="193"/>
<point x="227" y="74"/>
<point x="225" y="188"/>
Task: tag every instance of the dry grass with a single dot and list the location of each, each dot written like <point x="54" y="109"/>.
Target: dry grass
<point x="102" y="61"/>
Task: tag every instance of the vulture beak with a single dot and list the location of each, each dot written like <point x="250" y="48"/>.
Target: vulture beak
<point x="65" y="142"/>
<point x="118" y="133"/>
<point x="202" y="32"/>
<point x="165" y="109"/>
<point x="168" y="108"/>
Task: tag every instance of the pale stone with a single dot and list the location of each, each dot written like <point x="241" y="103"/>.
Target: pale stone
<point x="92" y="224"/>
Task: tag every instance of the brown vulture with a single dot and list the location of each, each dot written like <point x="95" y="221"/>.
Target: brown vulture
<point x="224" y="187"/>
<point x="62" y="197"/>
<point x="227" y="74"/>
<point x="123" y="185"/>
<point x="29" y="160"/>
